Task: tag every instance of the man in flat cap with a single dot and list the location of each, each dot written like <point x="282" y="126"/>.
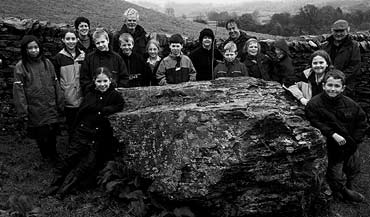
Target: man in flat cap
<point x="131" y="18"/>
<point x="344" y="53"/>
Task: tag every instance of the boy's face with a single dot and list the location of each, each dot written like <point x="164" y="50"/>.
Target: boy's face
<point x="83" y="29"/>
<point x="33" y="49"/>
<point x="176" y="48"/>
<point x="70" y="40"/>
<point x="333" y="87"/>
<point x="102" y="43"/>
<point x="126" y="47"/>
<point x="230" y="55"/>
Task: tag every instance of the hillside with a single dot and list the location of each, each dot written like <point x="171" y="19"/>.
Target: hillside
<point x="107" y="13"/>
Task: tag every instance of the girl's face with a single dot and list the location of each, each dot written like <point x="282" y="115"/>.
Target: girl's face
<point x="252" y="48"/>
<point x="33" y="49"/>
<point x="70" y="40"/>
<point x="153" y="51"/>
<point x="83" y="29"/>
<point x="102" y="82"/>
<point x="319" y="64"/>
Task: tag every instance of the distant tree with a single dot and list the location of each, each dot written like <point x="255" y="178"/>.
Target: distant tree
<point x="328" y="15"/>
<point x="307" y="19"/>
<point x="246" y="22"/>
<point x="170" y="12"/>
<point x="281" y="18"/>
<point x="200" y="19"/>
<point x="183" y="16"/>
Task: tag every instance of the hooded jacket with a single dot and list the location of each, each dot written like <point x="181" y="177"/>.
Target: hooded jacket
<point x="67" y="70"/>
<point x="175" y="69"/>
<point x="36" y="91"/>
<point x="284" y="70"/>
<point x="140" y="39"/>
<point x="205" y="60"/>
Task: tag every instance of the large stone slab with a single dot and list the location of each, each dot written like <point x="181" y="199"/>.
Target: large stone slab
<point x="234" y="147"/>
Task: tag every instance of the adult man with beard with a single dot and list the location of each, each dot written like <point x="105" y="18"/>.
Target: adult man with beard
<point x="131" y="17"/>
<point x="344" y="53"/>
<point x="238" y="37"/>
<point x="205" y="57"/>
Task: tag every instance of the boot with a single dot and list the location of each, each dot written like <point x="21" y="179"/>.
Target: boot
<point x="352" y="195"/>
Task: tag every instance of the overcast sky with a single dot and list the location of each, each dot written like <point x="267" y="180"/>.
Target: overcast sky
<point x="163" y="2"/>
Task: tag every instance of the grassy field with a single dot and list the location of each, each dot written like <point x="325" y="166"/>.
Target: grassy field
<point x="106" y="13"/>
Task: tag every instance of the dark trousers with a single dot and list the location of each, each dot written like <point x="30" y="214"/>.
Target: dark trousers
<point x="45" y="137"/>
<point x="342" y="172"/>
<point x="70" y="114"/>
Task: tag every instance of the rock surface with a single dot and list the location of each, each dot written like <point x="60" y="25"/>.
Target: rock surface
<point x="233" y="147"/>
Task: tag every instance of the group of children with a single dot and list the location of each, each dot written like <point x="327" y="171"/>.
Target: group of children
<point x="79" y="82"/>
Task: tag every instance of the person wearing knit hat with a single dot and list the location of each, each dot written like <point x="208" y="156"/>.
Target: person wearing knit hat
<point x="37" y="96"/>
<point x="345" y="54"/>
<point x="85" y="42"/>
<point x="205" y="56"/>
<point x="176" y="67"/>
<point x="284" y="70"/>
<point x="131" y="18"/>
<point x="259" y="65"/>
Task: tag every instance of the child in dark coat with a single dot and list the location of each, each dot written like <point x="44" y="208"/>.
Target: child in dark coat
<point x="92" y="141"/>
<point x="37" y="96"/>
<point x="231" y="67"/>
<point x="343" y="123"/>
<point x="284" y="70"/>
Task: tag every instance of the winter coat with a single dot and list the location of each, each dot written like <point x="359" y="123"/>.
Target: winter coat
<point x="139" y="75"/>
<point x="36" y="92"/>
<point x="202" y="60"/>
<point x="339" y="115"/>
<point x="88" y="50"/>
<point x="140" y="39"/>
<point x="67" y="70"/>
<point x="175" y="69"/>
<point x="284" y="71"/>
<point x="108" y="59"/>
<point x="259" y="66"/>
<point x="307" y="87"/>
<point x="231" y="69"/>
<point x="345" y="57"/>
<point x="240" y="42"/>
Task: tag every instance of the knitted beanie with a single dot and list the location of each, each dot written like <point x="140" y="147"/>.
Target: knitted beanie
<point x="206" y="32"/>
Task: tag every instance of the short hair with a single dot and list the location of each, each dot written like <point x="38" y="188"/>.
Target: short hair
<point x="322" y="54"/>
<point x="81" y="20"/>
<point x="100" y="32"/>
<point x="68" y="30"/>
<point x="230" y="46"/>
<point x="155" y="42"/>
<point x="126" y="37"/>
<point x="248" y="42"/>
<point x="336" y="74"/>
<point x="232" y="21"/>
